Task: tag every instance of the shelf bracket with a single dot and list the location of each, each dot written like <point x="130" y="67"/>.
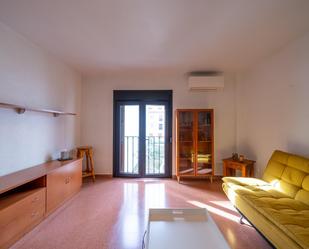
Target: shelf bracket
<point x="20" y="110"/>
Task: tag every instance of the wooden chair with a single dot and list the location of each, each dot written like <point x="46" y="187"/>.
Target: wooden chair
<point x="81" y="152"/>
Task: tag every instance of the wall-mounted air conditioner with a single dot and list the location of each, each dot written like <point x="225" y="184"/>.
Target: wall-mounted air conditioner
<point x="205" y="82"/>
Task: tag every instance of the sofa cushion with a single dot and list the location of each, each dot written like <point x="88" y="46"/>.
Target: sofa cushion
<point x="305" y="183"/>
<point x="245" y="181"/>
<point x="291" y="181"/>
<point x="298" y="162"/>
<point x="303" y="194"/>
<point x="287" y="173"/>
<point x="290" y="215"/>
<point x="273" y="171"/>
<point x="265" y="190"/>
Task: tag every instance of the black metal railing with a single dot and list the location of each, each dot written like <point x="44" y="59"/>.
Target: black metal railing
<point x="154" y="155"/>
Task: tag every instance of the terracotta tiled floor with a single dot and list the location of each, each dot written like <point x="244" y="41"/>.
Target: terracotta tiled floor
<point x="112" y="213"/>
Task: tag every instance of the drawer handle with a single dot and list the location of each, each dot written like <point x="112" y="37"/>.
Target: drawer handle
<point x="35" y="199"/>
<point x="34" y="214"/>
<point x="68" y="179"/>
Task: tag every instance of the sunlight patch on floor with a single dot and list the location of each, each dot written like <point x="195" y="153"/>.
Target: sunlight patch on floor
<point x="216" y="211"/>
<point x="225" y="204"/>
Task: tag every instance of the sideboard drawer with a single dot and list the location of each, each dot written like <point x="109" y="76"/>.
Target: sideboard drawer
<point x="62" y="183"/>
<point x="19" y="213"/>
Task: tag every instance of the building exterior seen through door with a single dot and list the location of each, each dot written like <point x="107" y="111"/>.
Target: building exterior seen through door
<point x="142" y="133"/>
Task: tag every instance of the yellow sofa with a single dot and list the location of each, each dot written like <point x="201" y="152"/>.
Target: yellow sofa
<point x="278" y="204"/>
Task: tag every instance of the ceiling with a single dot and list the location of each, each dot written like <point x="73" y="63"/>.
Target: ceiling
<point x="95" y="36"/>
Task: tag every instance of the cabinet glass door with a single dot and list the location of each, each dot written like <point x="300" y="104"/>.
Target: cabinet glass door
<point x="204" y="142"/>
<point x="186" y="143"/>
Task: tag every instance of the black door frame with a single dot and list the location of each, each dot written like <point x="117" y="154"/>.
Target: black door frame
<point x="143" y="98"/>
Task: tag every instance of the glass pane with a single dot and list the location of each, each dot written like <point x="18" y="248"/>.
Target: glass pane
<point x="204" y="143"/>
<point x="186" y="143"/>
<point x="129" y="138"/>
<point x="155" y="139"/>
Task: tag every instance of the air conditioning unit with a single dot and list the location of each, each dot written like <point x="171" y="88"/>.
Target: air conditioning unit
<point x="205" y="82"/>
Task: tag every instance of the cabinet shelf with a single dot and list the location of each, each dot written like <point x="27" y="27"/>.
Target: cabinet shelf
<point x="204" y="171"/>
<point x="22" y="109"/>
<point x="186" y="171"/>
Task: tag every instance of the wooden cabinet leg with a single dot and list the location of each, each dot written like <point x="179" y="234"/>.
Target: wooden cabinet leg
<point x="224" y="170"/>
<point x="244" y="171"/>
<point x="229" y="171"/>
<point x="252" y="171"/>
<point x="178" y="179"/>
<point x="211" y="179"/>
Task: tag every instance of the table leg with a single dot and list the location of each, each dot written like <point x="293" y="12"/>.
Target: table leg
<point x="231" y="172"/>
<point x="252" y="171"/>
<point x="224" y="169"/>
<point x="244" y="171"/>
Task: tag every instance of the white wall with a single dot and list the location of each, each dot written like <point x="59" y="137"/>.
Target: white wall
<point x="97" y="111"/>
<point x="29" y="76"/>
<point x="273" y="105"/>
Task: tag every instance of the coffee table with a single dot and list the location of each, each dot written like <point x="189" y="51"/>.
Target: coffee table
<point x="182" y="229"/>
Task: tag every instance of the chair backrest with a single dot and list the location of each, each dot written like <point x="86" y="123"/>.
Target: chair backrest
<point x="289" y="174"/>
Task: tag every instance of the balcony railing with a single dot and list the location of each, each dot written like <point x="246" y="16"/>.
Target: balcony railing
<point x="154" y="155"/>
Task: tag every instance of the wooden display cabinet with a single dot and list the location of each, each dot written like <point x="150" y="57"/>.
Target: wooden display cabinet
<point x="194" y="143"/>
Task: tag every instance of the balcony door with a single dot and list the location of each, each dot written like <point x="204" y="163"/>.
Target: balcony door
<point x="142" y="133"/>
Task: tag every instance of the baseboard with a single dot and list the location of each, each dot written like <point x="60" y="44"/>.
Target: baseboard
<point x="104" y="175"/>
<point x="174" y="177"/>
<point x="215" y="177"/>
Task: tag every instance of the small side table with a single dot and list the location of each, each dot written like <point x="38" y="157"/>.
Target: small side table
<point x="230" y="166"/>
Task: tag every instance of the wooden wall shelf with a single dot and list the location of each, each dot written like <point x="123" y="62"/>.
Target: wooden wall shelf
<point x="22" y="109"/>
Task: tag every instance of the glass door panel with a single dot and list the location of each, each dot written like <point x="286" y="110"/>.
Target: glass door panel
<point x="204" y="143"/>
<point x="185" y="135"/>
<point x="155" y="140"/>
<point x="129" y="139"/>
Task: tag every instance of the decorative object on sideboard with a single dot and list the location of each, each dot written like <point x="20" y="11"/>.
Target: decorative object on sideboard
<point x="65" y="155"/>
<point x="22" y="109"/>
<point x="241" y="158"/>
<point x="235" y="156"/>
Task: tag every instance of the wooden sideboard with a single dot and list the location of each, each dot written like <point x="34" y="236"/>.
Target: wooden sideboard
<point x="29" y="195"/>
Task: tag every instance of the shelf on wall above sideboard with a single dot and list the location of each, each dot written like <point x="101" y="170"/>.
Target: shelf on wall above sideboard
<point x="21" y="109"/>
